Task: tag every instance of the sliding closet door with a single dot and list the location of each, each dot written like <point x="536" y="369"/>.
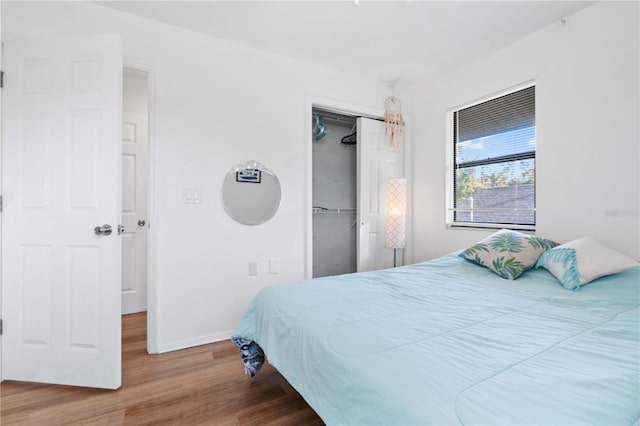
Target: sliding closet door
<point x="377" y="162"/>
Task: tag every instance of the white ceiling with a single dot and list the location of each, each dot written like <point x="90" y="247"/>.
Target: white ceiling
<point x="400" y="41"/>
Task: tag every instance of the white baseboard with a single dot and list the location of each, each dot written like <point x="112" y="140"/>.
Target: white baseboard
<point x="196" y="341"/>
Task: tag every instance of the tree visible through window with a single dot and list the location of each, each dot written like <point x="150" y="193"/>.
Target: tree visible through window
<point x="494" y="161"/>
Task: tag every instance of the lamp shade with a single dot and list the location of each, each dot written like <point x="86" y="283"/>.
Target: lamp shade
<point x="396" y="191"/>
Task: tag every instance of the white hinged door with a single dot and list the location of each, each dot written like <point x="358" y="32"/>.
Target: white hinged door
<point x="62" y="117"/>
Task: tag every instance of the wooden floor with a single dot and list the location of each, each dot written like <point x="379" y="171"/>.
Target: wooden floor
<point x="205" y="385"/>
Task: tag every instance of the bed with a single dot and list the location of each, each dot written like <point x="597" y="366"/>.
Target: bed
<point x="450" y="342"/>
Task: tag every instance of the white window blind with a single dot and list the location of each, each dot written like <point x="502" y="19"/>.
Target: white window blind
<point x="494" y="162"/>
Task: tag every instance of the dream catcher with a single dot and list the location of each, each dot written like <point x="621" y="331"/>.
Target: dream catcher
<point x="394" y="123"/>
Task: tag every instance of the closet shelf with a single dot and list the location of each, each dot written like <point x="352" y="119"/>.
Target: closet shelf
<point x="317" y="209"/>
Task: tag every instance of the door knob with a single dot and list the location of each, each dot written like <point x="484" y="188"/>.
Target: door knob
<point x="141" y="223"/>
<point x="103" y="230"/>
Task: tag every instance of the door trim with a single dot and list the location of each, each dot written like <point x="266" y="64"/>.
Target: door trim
<point x="340" y="107"/>
<point x="152" y="204"/>
<point x="1" y="177"/>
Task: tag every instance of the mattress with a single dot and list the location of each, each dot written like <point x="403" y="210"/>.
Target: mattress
<point x="449" y="342"/>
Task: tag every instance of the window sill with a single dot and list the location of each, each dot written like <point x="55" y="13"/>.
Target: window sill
<point x="482" y="226"/>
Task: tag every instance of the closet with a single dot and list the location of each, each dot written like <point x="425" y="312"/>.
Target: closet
<point x="334" y="157"/>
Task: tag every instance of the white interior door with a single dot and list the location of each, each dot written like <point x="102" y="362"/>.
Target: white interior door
<point x="61" y="179"/>
<point x="376" y="163"/>
<point x="134" y="211"/>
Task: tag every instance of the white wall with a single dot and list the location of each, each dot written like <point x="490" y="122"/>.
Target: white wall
<point x="587" y="109"/>
<point x="214" y="104"/>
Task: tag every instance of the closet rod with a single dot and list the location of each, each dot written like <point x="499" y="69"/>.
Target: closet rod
<point x="334" y="119"/>
<point x="318" y="209"/>
<point x="342" y="116"/>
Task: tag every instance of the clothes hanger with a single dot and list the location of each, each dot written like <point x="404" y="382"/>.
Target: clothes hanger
<point x="319" y="130"/>
<point x="350" y="139"/>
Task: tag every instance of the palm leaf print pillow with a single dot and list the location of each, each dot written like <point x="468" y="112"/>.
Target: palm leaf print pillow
<point x="508" y="253"/>
<point x="581" y="261"/>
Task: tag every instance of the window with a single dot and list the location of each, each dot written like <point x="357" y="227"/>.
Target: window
<point x="494" y="162"/>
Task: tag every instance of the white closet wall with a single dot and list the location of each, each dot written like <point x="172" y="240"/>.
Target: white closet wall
<point x="334" y="189"/>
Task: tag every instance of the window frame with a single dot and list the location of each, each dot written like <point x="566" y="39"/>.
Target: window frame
<point x="451" y="168"/>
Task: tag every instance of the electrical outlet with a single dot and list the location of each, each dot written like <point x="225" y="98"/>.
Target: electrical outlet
<point x="274" y="266"/>
<point x="253" y="268"/>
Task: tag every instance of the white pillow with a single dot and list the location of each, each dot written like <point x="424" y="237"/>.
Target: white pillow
<point x="581" y="261"/>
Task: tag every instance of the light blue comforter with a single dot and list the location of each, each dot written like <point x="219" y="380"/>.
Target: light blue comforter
<point x="449" y="342"/>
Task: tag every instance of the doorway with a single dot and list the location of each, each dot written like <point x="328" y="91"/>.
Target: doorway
<point x="334" y="193"/>
<point x="135" y="166"/>
<point x="69" y="279"/>
<point x="375" y="162"/>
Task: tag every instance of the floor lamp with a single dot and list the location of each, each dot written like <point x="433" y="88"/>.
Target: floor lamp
<point x="396" y="191"/>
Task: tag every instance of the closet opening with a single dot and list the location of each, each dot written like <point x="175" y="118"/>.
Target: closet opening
<point x="334" y="193"/>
